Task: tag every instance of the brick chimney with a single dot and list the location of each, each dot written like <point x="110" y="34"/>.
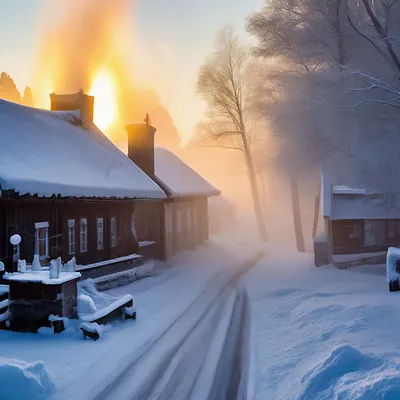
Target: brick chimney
<point x="75" y="101"/>
<point x="141" y="145"/>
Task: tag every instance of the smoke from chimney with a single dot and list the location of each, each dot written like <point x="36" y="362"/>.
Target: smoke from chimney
<point x="91" y="33"/>
<point x="84" y="38"/>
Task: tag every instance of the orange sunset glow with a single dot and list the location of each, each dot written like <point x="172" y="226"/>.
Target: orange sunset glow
<point x="104" y="89"/>
<point x="93" y="56"/>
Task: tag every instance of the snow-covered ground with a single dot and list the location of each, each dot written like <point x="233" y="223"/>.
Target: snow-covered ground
<point x="184" y="314"/>
<point x="321" y="333"/>
<point x="206" y="331"/>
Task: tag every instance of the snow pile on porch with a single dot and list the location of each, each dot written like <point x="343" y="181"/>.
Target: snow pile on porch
<point x="179" y="179"/>
<point x="22" y="380"/>
<point x="50" y="153"/>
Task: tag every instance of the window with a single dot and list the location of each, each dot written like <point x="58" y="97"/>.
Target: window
<point x="355" y="232"/>
<point x="178" y="221"/>
<point x="375" y="232"/>
<point x="189" y="219"/>
<point x="83" y="235"/>
<point x="100" y="233"/>
<point x="42" y="239"/>
<point x="133" y="225"/>
<point x="113" y="231"/>
<point x="392" y="229"/>
<point x="71" y="237"/>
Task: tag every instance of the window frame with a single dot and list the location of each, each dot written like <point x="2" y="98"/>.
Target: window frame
<point x="355" y="236"/>
<point x="113" y="232"/>
<point x="100" y="240"/>
<point x="71" y="229"/>
<point x="133" y="225"/>
<point x="38" y="227"/>
<point x="395" y="226"/>
<point x="83" y="235"/>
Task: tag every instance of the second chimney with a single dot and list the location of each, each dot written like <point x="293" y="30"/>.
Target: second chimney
<point x="75" y="101"/>
<point x="141" y="146"/>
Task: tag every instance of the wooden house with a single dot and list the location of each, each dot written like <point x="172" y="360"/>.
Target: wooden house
<point x="65" y="188"/>
<point x="359" y="224"/>
<point x="184" y="221"/>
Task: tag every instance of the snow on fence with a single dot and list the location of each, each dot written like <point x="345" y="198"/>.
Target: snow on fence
<point x="123" y="278"/>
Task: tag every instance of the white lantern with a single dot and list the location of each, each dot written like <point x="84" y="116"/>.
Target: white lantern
<point x="15" y="240"/>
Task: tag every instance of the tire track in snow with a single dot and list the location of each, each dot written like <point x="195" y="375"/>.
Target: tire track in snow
<point x="170" y="338"/>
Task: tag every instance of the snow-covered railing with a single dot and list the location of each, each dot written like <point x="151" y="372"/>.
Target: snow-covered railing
<point x="4" y="317"/>
<point x="108" y="262"/>
<point x="124" y="278"/>
<point x="146" y="243"/>
<point x="3" y="304"/>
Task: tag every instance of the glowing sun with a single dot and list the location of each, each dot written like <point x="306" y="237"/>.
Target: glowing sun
<point x="104" y="90"/>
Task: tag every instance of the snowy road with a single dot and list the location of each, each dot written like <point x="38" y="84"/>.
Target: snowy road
<point x="177" y="362"/>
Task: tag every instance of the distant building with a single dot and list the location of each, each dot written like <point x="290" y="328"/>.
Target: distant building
<point x="359" y="224"/>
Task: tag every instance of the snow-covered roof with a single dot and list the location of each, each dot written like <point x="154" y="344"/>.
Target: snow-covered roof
<point x="178" y="178"/>
<point x="339" y="202"/>
<point x="50" y="153"/>
<point x="363" y="207"/>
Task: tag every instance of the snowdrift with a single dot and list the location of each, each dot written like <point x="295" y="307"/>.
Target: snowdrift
<point x="349" y="374"/>
<point x="21" y="380"/>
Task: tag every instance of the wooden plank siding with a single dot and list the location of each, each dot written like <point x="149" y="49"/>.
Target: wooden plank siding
<point x="364" y="236"/>
<point x="188" y="216"/>
<point x="150" y="225"/>
<point x="186" y="224"/>
<point x="20" y="215"/>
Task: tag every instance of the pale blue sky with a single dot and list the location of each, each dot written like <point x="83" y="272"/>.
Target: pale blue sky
<point x="182" y="30"/>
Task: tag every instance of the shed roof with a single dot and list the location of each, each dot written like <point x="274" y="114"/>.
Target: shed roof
<point x="341" y="202"/>
<point x="178" y="178"/>
<point x="48" y="153"/>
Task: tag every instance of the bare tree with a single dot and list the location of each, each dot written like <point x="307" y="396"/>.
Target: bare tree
<point x="304" y="35"/>
<point x="222" y="83"/>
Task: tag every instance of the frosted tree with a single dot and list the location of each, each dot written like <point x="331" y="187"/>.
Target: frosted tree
<point x="332" y="75"/>
<point x="222" y="83"/>
<point x="300" y="37"/>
